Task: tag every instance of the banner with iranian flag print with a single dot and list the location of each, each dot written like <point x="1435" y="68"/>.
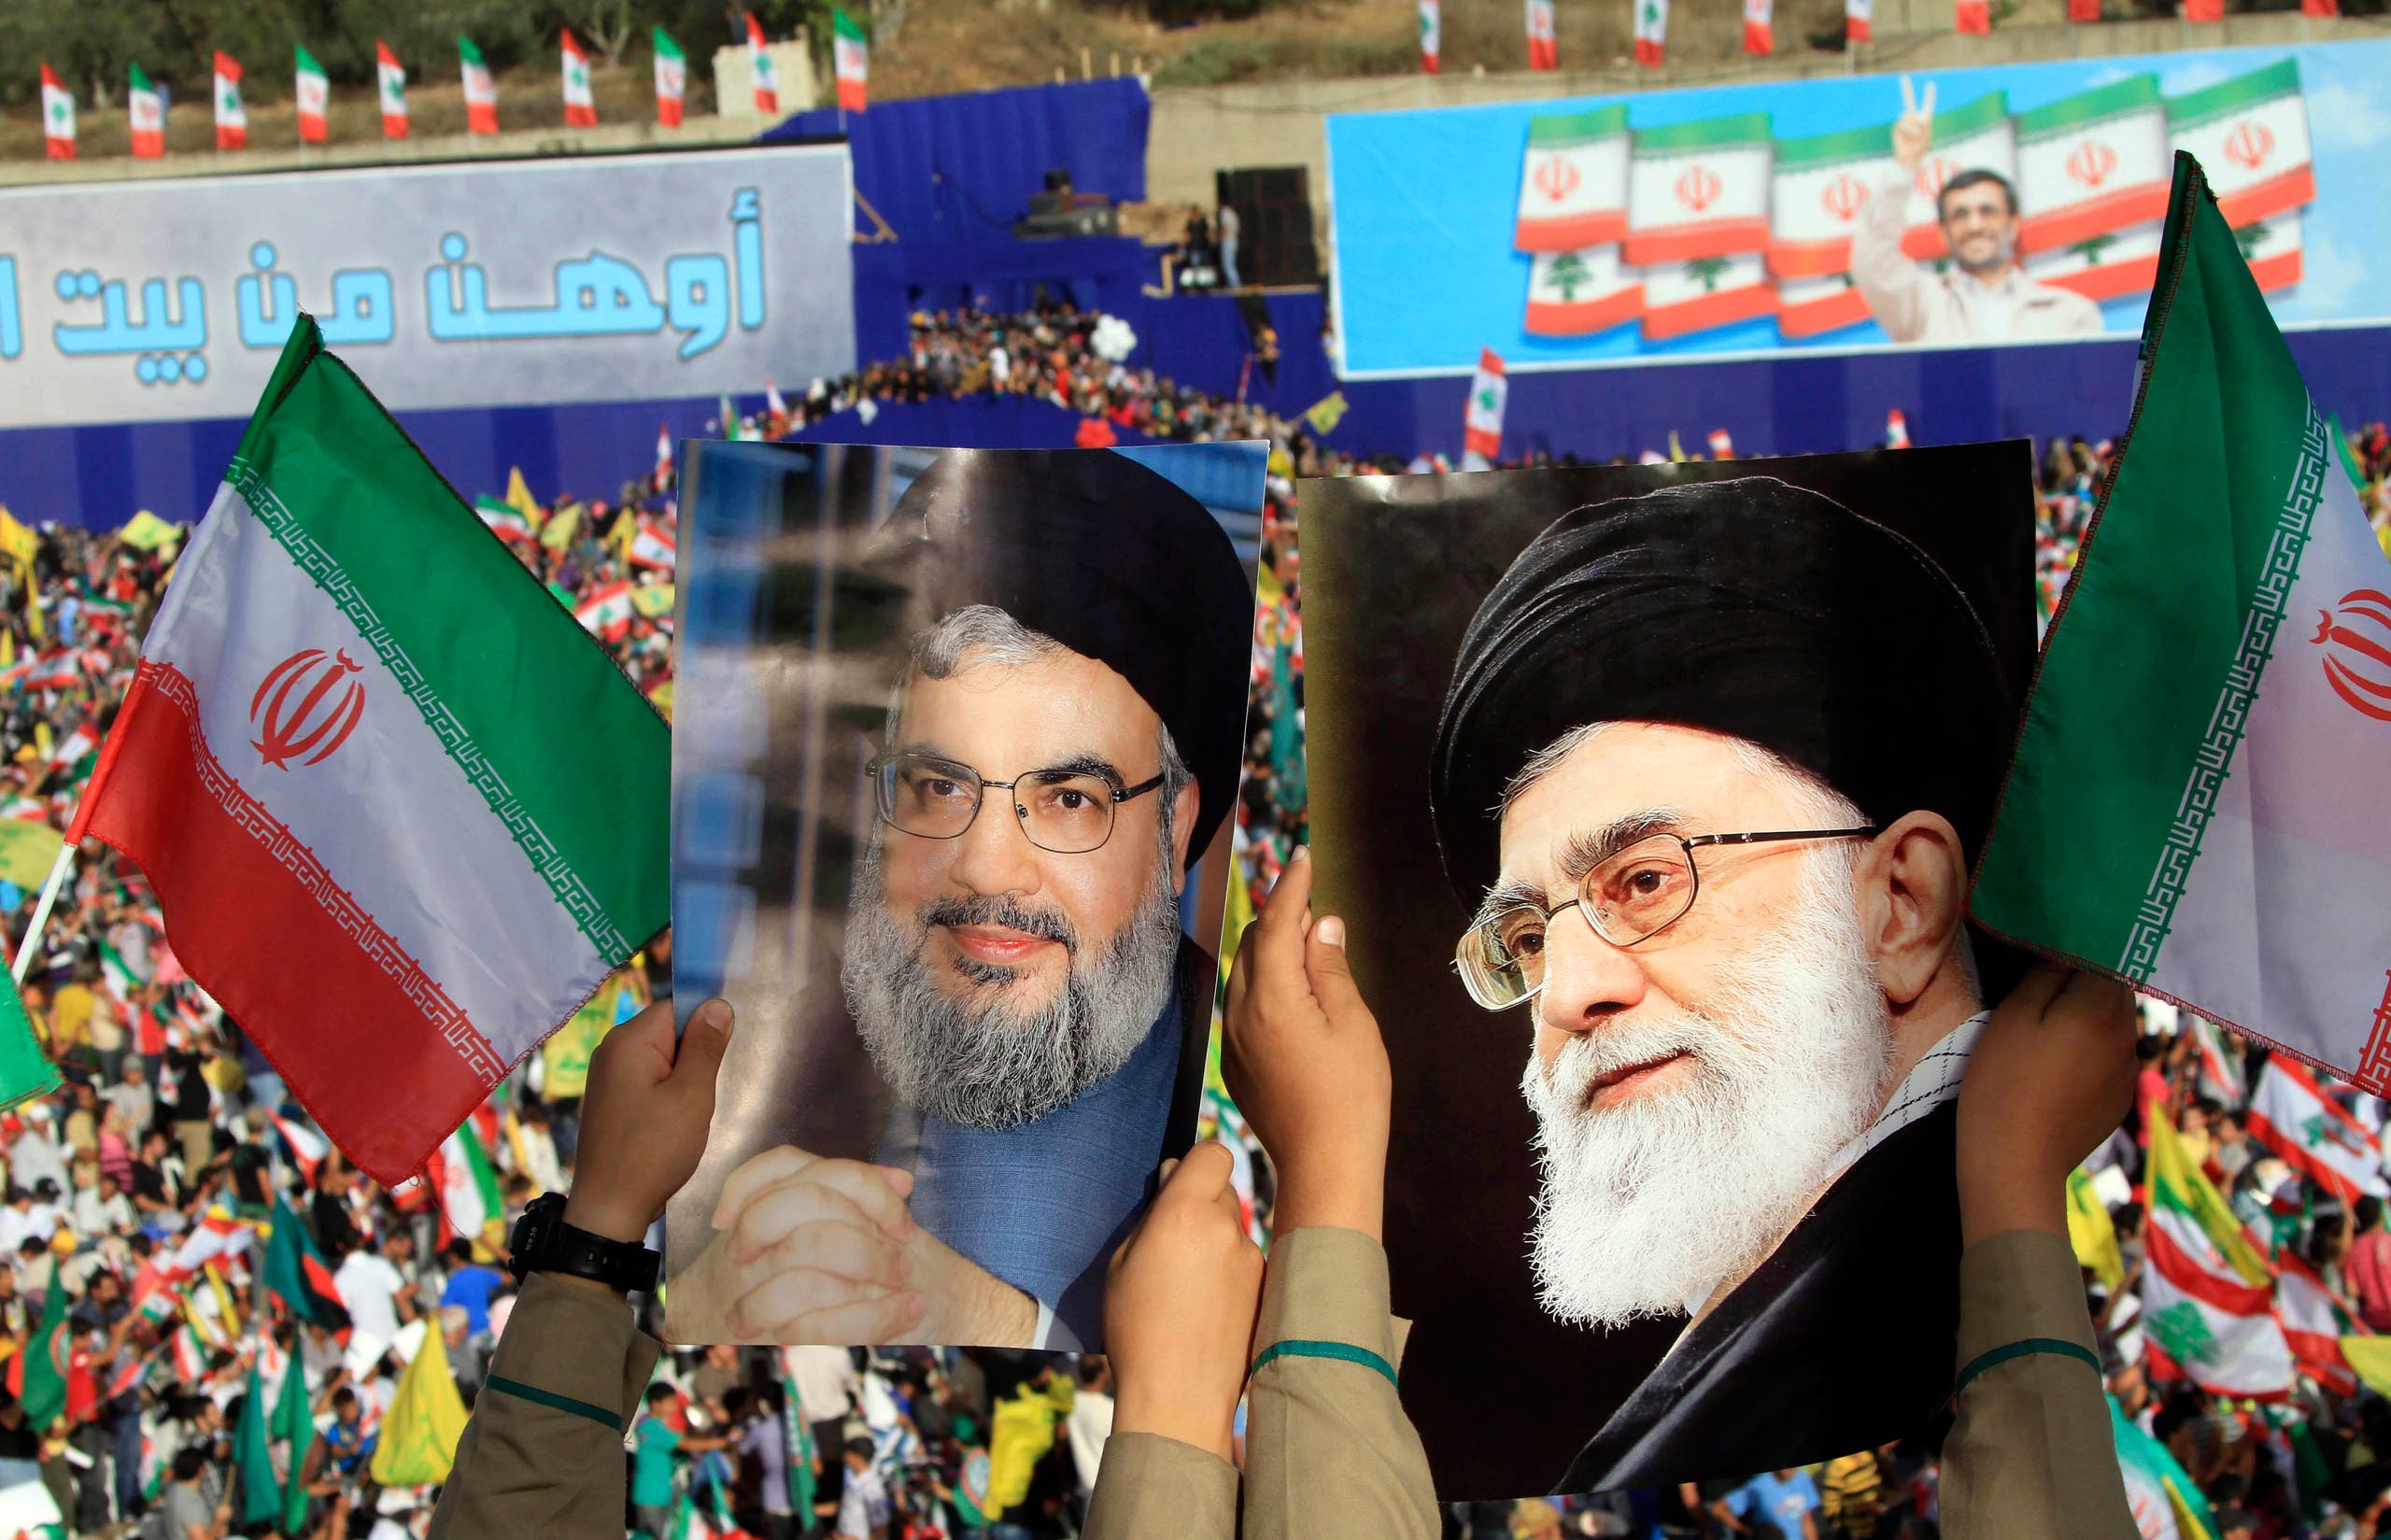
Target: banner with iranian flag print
<point x="374" y="846"/>
<point x="1704" y="293"/>
<point x="1817" y="188"/>
<point x="2091" y="164"/>
<point x="1810" y="307"/>
<point x="1571" y="293"/>
<point x="1977" y="137"/>
<point x="1573" y="192"/>
<point x="1698" y="189"/>
<point x="2104" y="265"/>
<point x="2250" y="136"/>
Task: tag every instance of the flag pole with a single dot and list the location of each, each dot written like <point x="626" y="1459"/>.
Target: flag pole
<point x="41" y="911"/>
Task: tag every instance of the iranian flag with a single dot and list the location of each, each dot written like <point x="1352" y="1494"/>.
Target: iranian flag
<point x="580" y="105"/>
<point x="759" y="69"/>
<point x="503" y="518"/>
<point x="466" y="1183"/>
<point x="57" y="116"/>
<point x="1707" y="292"/>
<point x="2204" y="750"/>
<point x="1577" y="293"/>
<point x="1856" y="17"/>
<point x="311" y="92"/>
<point x="1759" y="31"/>
<point x="1698" y="189"/>
<point x="1572" y="191"/>
<point x="1811" y="307"/>
<point x="390" y="84"/>
<point x="2108" y="265"/>
<point x="2165" y="1503"/>
<point x="1482" y="418"/>
<point x="2092" y="162"/>
<point x="2313" y="1323"/>
<point x="1432" y="40"/>
<point x="2291" y="1114"/>
<point x="305" y="1145"/>
<point x="851" y="56"/>
<point x="1973" y="16"/>
<point x="147" y="111"/>
<point x="2250" y="136"/>
<point x="1817" y="186"/>
<point x="606" y="613"/>
<point x="231" y="120"/>
<point x="1975" y="138"/>
<point x="1651" y="33"/>
<point x="652" y="544"/>
<point x="1544" y="41"/>
<point x="671" y="79"/>
<point x="481" y="89"/>
<point x="379" y="849"/>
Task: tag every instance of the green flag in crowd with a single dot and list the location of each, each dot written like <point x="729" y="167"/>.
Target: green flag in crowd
<point x="296" y="1272"/>
<point x="25" y="1070"/>
<point x="294" y="1422"/>
<point x="39" y="1375"/>
<point x="259" y="1499"/>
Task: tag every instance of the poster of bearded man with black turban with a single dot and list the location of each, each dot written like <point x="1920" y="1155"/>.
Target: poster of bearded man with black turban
<point x="956" y="729"/>
<point x="1649" y="796"/>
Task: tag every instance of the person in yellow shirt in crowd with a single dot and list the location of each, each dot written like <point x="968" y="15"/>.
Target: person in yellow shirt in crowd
<point x="70" y="1018"/>
<point x="1022" y="1429"/>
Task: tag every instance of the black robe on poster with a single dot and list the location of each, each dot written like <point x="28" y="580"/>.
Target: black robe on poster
<point x="1840" y="1341"/>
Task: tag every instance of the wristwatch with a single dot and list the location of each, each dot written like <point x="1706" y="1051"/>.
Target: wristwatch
<point x="544" y="1243"/>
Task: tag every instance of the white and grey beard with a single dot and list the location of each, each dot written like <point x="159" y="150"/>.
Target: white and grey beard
<point x="970" y="1058"/>
<point x="1649" y="1205"/>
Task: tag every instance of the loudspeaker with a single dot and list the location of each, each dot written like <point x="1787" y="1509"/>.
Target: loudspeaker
<point x="1274" y="211"/>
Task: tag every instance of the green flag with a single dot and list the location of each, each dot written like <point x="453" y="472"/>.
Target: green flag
<point x="39" y="1377"/>
<point x="26" y="1072"/>
<point x="296" y="1272"/>
<point x="799" y="1449"/>
<point x="260" y="1494"/>
<point x="294" y="1422"/>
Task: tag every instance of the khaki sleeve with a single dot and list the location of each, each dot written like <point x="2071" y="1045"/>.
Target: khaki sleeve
<point x="542" y="1453"/>
<point x="1153" y="1487"/>
<point x="1886" y="279"/>
<point x="1328" y="1450"/>
<point x="2029" y="1450"/>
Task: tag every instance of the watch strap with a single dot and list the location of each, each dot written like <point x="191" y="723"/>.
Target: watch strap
<point x="544" y="1243"/>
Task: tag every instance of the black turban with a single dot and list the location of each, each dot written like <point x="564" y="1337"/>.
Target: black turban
<point x="1744" y="607"/>
<point x="1111" y="561"/>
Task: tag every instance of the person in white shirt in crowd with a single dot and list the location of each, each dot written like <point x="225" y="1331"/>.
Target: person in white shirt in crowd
<point x="1091" y="1419"/>
<point x="36" y="1154"/>
<point x="372" y="1289"/>
<point x="1983" y="295"/>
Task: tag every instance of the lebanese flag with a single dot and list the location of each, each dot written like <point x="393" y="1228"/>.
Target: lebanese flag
<point x="1760" y="34"/>
<point x="1811" y="307"/>
<point x="1698" y="189"/>
<point x="312" y="92"/>
<point x="2220" y="1078"/>
<point x="2202" y="1321"/>
<point x="1973" y="16"/>
<point x="606" y="614"/>
<point x="2272" y="247"/>
<point x="1978" y="136"/>
<point x="1651" y="33"/>
<point x="2291" y="1114"/>
<point x="1856" y="16"/>
<point x="481" y="89"/>
<point x="1432" y="36"/>
<point x="1573" y="192"/>
<point x="1685" y="297"/>
<point x="57" y="116"/>
<point x="851" y="58"/>
<point x="1577" y="293"/>
<point x="663" y="476"/>
<point x="775" y="405"/>
<point x="390" y="82"/>
<point x="652" y="545"/>
<point x="580" y="105"/>
<point x="1722" y="444"/>
<point x="1482" y="418"/>
<point x="2105" y="266"/>
<point x="2091" y="164"/>
<point x="231" y="121"/>
<point x="1544" y="42"/>
<point x="759" y="69"/>
<point x="1896" y="430"/>
<point x="1817" y="186"/>
<point x="671" y="79"/>
<point x="2250" y="136"/>
<point x="147" y="110"/>
<point x="2313" y="1323"/>
<point x="369" y="842"/>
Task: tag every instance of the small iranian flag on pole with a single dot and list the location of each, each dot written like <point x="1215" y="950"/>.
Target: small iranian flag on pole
<point x="1857" y="15"/>
<point x="1544" y="38"/>
<point x="2091" y="164"/>
<point x="1482" y="419"/>
<point x="504" y="519"/>
<point x="390" y="84"/>
<point x="1651" y="33"/>
<point x="1817" y="187"/>
<point x="671" y="79"/>
<point x="2292" y="1115"/>
<point x="1973" y="16"/>
<point x="760" y="70"/>
<point x="1698" y="189"/>
<point x="312" y="92"/>
<point x="851" y="56"/>
<point x="1432" y="36"/>
<point x="1576" y="294"/>
<point x="1759" y="31"/>
<point x="1977" y="137"/>
<point x="467" y="1184"/>
<point x="1573" y="192"/>
<point x="481" y="89"/>
<point x="2209" y="726"/>
<point x="147" y="110"/>
<point x="2250" y="136"/>
<point x="231" y="121"/>
<point x="370" y="843"/>
<point x="580" y="105"/>
<point x="57" y="116"/>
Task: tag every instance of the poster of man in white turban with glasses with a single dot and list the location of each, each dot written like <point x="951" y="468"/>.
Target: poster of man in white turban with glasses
<point x="1649" y="795"/>
<point x="955" y="731"/>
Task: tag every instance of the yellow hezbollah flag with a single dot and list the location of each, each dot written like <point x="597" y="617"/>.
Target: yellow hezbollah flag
<point x="2177" y="1184"/>
<point x="427" y="1417"/>
<point x="518" y="497"/>
<point x="1326" y="413"/>
<point x="27" y="851"/>
<point x="2371" y="1356"/>
<point x="2091" y="1231"/>
<point x="564" y="1058"/>
<point x="653" y="600"/>
<point x="561" y="527"/>
<point x="147" y="532"/>
<point x="17" y="543"/>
